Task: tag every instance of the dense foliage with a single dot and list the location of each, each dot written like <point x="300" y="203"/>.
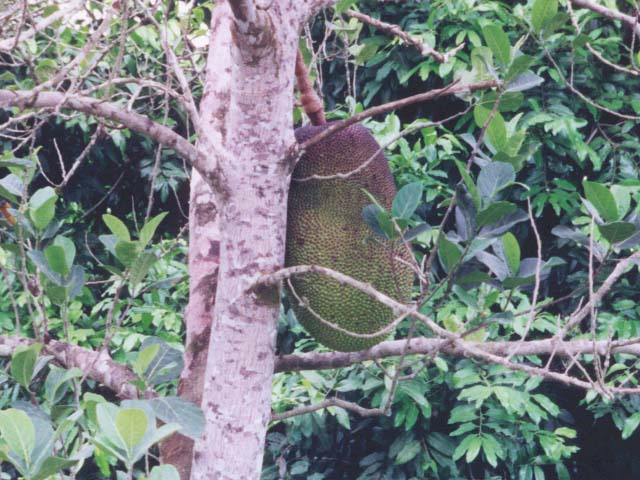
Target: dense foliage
<point x="94" y="262"/>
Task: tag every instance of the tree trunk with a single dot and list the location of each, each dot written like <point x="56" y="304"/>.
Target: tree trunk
<point x="204" y="252"/>
<point x="256" y="51"/>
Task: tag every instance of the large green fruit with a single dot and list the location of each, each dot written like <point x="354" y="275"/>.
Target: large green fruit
<point x="326" y="228"/>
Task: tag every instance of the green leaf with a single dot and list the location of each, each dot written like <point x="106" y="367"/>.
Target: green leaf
<point x="562" y="472"/>
<point x="178" y="410"/>
<point x="504" y="224"/>
<point x="132" y="424"/>
<point x="565" y="432"/>
<point x="511" y="250"/>
<point x="117" y="227"/>
<point x="514" y="144"/>
<point x="630" y="425"/>
<point x="491" y="447"/>
<point x="617" y="231"/>
<point x="407" y="200"/>
<point x="498" y="42"/>
<point x="164" y="472"/>
<point x="524" y="81"/>
<point x="45" y="68"/>
<point x="452" y="322"/>
<point x="23" y="363"/>
<point x="145" y="357"/>
<point x="11" y="187"/>
<point x="477" y="336"/>
<point x="149" y="229"/>
<point x="21" y="163"/>
<point x="542" y="13"/>
<point x="69" y="249"/>
<point x="166" y="365"/>
<point x="509" y="102"/>
<point x="471" y="187"/>
<point x="442" y="365"/>
<point x="558" y="21"/>
<point x="370" y="217"/>
<point x="496" y="131"/>
<point x="464" y="446"/>
<point x="17" y="430"/>
<point x="342" y="417"/>
<point x="466" y="223"/>
<point x="473" y="449"/>
<point x="57" y="383"/>
<point x="518" y="66"/>
<point x="55" y="256"/>
<point x="141" y="267"/>
<point x="40" y="261"/>
<point x="494" y="177"/>
<point x="408" y="452"/>
<point x="602" y="199"/>
<point x="42" y="207"/>
<point x="52" y="465"/>
<point x="127" y="252"/>
<point x="106" y="414"/>
<point x="75" y="282"/>
<point x="622" y="196"/>
<point x="495" y="212"/>
<point x="449" y="253"/>
<point x="343" y="5"/>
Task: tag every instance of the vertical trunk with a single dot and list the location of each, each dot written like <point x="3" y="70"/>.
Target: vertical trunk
<point x="204" y="250"/>
<point x="256" y="131"/>
<point x="204" y="242"/>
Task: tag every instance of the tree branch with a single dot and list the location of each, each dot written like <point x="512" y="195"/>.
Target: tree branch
<point x="10" y="43"/>
<point x="396" y="30"/>
<point x="99" y="367"/>
<point x="427" y="346"/>
<point x="454" y="339"/>
<point x="329" y="402"/>
<point x="25" y="99"/>
<point x="450" y="89"/>
<point x="609" y="13"/>
<point x="619" y="270"/>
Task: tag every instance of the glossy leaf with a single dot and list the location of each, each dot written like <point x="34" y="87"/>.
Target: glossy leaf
<point x="617" y="231"/>
<point x="602" y="199"/>
<point x="498" y="42"/>
<point x="23" y="362"/>
<point x="117" y="227"/>
<point x="407" y="200"/>
<point x="42" y="207"/>
<point x="542" y="13"/>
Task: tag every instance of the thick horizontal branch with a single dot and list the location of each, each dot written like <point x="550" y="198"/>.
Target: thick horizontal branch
<point x="455" y="340"/>
<point x="25" y="99"/>
<point x="99" y="367"/>
<point x="609" y="13"/>
<point x="427" y="346"/>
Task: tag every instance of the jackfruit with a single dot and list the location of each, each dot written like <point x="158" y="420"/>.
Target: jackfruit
<point x="325" y="227"/>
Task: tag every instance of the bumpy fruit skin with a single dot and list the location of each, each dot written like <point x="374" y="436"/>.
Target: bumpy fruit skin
<point x="325" y="227"/>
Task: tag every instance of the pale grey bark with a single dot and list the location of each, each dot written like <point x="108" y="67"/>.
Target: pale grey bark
<point x="631" y="21"/>
<point x="96" y="365"/>
<point x="257" y="50"/>
<point x="431" y="346"/>
<point x="26" y="99"/>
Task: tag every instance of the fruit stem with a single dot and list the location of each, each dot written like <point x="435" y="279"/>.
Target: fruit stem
<point x="311" y="102"/>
